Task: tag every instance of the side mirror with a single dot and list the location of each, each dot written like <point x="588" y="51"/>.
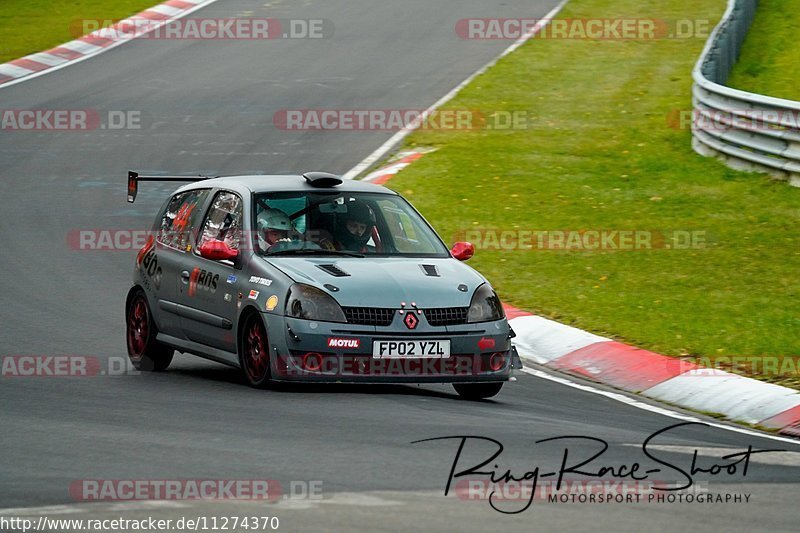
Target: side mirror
<point x="217" y="251"/>
<point x="463" y="250"/>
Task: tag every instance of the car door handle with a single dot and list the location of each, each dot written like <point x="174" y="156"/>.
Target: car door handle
<point x="185" y="276"/>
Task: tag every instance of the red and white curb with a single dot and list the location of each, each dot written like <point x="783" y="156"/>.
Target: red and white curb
<point x="395" y="165"/>
<point x="663" y="378"/>
<point x="574" y="351"/>
<point x="90" y="45"/>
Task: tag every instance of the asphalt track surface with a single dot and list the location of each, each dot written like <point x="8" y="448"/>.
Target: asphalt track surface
<point x="207" y="107"/>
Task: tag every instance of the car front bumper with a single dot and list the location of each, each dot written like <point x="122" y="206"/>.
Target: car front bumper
<point x="304" y="350"/>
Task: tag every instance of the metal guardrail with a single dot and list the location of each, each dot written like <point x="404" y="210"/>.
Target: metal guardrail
<point x="748" y="131"/>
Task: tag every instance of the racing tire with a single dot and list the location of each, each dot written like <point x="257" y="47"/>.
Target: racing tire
<point x="254" y="358"/>
<point x="477" y="391"/>
<point x="144" y="351"/>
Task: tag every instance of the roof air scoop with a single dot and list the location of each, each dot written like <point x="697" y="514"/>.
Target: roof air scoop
<point x="322" y="179"/>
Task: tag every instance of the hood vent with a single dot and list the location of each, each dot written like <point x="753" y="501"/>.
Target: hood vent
<point x="333" y="270"/>
<point x="430" y="270"/>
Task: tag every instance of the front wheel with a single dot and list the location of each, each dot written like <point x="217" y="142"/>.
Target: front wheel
<point x="255" y="352"/>
<point x="145" y="352"/>
<point x="477" y="391"/>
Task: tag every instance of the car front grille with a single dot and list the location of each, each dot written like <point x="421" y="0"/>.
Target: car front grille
<point x="446" y="316"/>
<point x="369" y="316"/>
<point x="380" y="316"/>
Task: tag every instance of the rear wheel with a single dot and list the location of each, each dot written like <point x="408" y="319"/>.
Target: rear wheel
<point x="255" y="352"/>
<point x="477" y="391"/>
<point x="145" y="352"/>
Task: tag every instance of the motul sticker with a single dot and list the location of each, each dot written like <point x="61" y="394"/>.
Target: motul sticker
<point x="343" y="343"/>
<point x="253" y="295"/>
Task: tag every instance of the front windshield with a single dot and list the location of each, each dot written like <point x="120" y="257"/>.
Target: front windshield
<point x="349" y="224"/>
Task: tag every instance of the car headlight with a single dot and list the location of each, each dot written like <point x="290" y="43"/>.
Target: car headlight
<point x="311" y="303"/>
<point x="485" y="305"/>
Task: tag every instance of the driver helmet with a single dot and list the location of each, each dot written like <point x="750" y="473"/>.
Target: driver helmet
<point x="273" y="226"/>
<point x="355" y="227"/>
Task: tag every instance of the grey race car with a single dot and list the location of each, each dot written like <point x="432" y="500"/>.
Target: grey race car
<point x="312" y="278"/>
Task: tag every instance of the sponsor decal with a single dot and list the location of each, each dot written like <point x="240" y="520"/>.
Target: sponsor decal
<point x="334" y="342"/>
<point x="260" y="281"/>
<point x="149" y="266"/>
<point x="204" y="280"/>
<point x="486" y="344"/>
<point x="253" y="295"/>
<point x="147" y="247"/>
<point x="228" y="297"/>
<point x="182" y="217"/>
<point x="231" y="279"/>
<point x="272" y="302"/>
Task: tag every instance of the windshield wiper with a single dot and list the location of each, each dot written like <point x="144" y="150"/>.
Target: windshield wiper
<point x="302" y="251"/>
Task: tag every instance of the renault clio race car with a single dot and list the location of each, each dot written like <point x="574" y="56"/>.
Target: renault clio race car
<point x="312" y="278"/>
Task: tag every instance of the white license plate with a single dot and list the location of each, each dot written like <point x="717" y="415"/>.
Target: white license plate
<point x="436" y="349"/>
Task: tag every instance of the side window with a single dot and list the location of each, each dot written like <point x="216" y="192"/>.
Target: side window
<point x="181" y="219"/>
<point x="224" y="220"/>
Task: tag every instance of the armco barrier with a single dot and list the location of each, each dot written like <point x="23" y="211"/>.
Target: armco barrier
<point x="748" y="131"/>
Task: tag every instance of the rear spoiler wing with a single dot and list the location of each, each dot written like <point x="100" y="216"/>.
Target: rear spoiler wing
<point x="134" y="178"/>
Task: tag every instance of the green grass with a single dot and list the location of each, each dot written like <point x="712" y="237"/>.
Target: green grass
<point x="29" y="26"/>
<point x="770" y="60"/>
<point x="600" y="155"/>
